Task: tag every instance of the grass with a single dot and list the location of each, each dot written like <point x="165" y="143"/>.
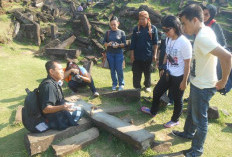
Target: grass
<point x="19" y="69"/>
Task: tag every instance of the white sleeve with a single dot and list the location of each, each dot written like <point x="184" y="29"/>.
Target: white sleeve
<point x="186" y="50"/>
<point x="206" y="45"/>
<point x="207" y="42"/>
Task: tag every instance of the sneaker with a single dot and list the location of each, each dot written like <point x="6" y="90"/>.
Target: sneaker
<point x="169" y="104"/>
<point x="191" y="154"/>
<point x="148" y="90"/>
<point x="186" y="99"/>
<point x="139" y="89"/>
<point x="120" y="88"/>
<point x="114" y="88"/>
<point x="96" y="94"/>
<point x="180" y="134"/>
<point x="171" y="124"/>
<point x="146" y="110"/>
<point x="186" y="151"/>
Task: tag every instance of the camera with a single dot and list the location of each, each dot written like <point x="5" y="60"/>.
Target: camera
<point x="114" y="44"/>
<point x="75" y="77"/>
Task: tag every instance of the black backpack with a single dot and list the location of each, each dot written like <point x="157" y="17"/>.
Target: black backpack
<point x="32" y="116"/>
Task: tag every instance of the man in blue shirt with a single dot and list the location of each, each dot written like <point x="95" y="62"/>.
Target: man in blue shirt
<point x="144" y="45"/>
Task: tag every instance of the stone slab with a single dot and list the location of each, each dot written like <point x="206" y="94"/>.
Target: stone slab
<point x="39" y="142"/>
<point x="137" y="137"/>
<point x="76" y="142"/>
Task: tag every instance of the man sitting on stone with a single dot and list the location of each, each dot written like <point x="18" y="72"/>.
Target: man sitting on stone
<point x="77" y="77"/>
<point x="58" y="113"/>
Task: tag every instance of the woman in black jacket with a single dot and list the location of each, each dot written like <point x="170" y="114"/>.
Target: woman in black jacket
<point x="210" y="11"/>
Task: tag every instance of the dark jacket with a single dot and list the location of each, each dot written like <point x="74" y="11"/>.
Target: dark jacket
<point x="214" y="25"/>
<point x="142" y="44"/>
<point x="219" y="34"/>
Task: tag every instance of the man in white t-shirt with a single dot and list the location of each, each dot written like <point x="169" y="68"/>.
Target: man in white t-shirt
<point x="203" y="77"/>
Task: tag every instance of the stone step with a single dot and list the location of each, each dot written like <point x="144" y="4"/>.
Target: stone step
<point x="39" y="142"/>
<point x="62" y="53"/>
<point x="76" y="142"/>
<point x="67" y="42"/>
<point x="127" y="94"/>
<point x="136" y="136"/>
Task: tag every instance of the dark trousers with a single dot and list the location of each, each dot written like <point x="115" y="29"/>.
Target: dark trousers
<point x="173" y="84"/>
<point x="169" y="94"/>
<point x="138" y="68"/>
<point x="74" y="85"/>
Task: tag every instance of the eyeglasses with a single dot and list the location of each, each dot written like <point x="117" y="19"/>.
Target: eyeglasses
<point x="166" y="30"/>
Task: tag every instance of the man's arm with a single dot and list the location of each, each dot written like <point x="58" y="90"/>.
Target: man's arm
<point x="183" y="83"/>
<point x="132" y="46"/>
<point x="54" y="109"/>
<point x="225" y="59"/>
<point x="155" y="53"/>
<point x="132" y="57"/>
<point x="155" y="42"/>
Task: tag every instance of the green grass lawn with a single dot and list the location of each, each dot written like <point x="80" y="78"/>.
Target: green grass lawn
<point x="20" y="69"/>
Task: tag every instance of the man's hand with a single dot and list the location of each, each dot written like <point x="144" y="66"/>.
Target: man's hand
<point x="220" y="85"/>
<point x="68" y="107"/>
<point x="157" y="64"/>
<point x="183" y="85"/>
<point x="132" y="58"/>
<point x="154" y="59"/>
<point x="161" y="72"/>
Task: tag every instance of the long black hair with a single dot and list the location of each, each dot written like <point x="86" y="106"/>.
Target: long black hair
<point x="171" y="21"/>
<point x="71" y="65"/>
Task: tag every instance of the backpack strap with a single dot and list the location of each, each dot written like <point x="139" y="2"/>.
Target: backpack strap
<point x="50" y="81"/>
<point x="108" y="35"/>
<point x="167" y="40"/>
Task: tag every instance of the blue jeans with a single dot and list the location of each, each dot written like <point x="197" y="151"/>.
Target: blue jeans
<point x="76" y="115"/>
<point x="74" y="85"/>
<point x="196" y="124"/>
<point x="115" y="63"/>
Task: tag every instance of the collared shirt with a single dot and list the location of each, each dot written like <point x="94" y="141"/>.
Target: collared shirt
<point x="50" y="93"/>
<point x="142" y="44"/>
